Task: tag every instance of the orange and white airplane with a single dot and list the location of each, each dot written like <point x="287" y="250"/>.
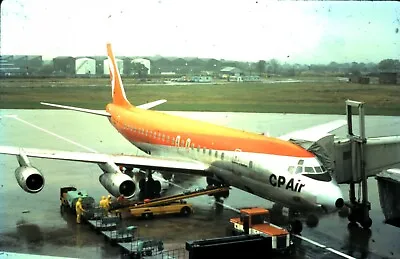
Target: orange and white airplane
<point x="273" y="168"/>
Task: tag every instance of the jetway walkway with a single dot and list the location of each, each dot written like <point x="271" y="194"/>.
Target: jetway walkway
<point x="353" y="159"/>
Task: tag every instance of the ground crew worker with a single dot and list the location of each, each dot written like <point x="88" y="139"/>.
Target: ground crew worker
<point x="108" y="202"/>
<point x="121" y="198"/>
<point x="79" y="210"/>
<point x="103" y="205"/>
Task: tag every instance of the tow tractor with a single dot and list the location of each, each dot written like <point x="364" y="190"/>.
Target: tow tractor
<point x="70" y="195"/>
<point x="253" y="221"/>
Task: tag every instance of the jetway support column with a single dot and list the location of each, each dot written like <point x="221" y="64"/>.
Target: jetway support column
<point x="359" y="211"/>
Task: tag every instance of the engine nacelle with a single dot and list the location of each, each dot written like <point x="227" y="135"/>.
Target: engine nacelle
<point x="29" y="178"/>
<point x="116" y="182"/>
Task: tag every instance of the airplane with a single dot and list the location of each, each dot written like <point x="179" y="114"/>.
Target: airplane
<point x="270" y="167"/>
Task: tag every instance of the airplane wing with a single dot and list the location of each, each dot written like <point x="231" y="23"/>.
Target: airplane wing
<point x="145" y="106"/>
<point x="150" y="105"/>
<point x="142" y="162"/>
<point x="314" y="133"/>
<point x="97" y="112"/>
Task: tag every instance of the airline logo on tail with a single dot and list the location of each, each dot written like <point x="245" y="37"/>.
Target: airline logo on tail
<point x="118" y="92"/>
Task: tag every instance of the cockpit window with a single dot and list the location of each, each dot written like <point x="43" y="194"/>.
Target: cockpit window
<point x="325" y="177"/>
<point x="299" y="170"/>
<point x="301" y="162"/>
<point x="309" y="169"/>
<point x="318" y="169"/>
<point x="291" y="169"/>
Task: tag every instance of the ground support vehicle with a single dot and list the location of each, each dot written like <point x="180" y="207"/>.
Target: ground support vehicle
<point x="127" y="205"/>
<point x="70" y="195"/>
<point x="121" y="234"/>
<point x="177" y="207"/>
<point x="241" y="246"/>
<point x="256" y="221"/>
<point x="106" y="223"/>
<point x="140" y="248"/>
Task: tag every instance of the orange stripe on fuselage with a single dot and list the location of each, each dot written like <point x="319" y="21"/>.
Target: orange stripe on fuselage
<point x="201" y="134"/>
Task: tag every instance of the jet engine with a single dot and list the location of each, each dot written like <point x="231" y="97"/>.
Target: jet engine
<point x="28" y="177"/>
<point x="115" y="182"/>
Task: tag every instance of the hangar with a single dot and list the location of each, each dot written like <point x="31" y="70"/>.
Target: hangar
<point x="120" y="65"/>
<point x="64" y="65"/>
<point x="143" y="61"/>
<point x="85" y="66"/>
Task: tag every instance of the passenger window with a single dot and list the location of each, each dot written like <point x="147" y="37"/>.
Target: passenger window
<point x="204" y="150"/>
<point x="209" y="152"/>
<point x="309" y="169"/>
<point x="216" y="153"/>
<point x="198" y="148"/>
<point x="192" y="146"/>
<point x="251" y="164"/>
<point x="299" y="170"/>
<point x="222" y="156"/>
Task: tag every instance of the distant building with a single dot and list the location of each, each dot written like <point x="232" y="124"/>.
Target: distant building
<point x="251" y="78"/>
<point x="229" y="71"/>
<point x="100" y="65"/>
<point x="388" y="78"/>
<point x="359" y="79"/>
<point x="143" y="61"/>
<point x="28" y="64"/>
<point x="64" y="65"/>
<point x="85" y="66"/>
<point x="120" y="65"/>
<point x="201" y="79"/>
<point x="7" y="67"/>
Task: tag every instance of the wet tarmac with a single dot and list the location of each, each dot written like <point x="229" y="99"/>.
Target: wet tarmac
<point x="32" y="223"/>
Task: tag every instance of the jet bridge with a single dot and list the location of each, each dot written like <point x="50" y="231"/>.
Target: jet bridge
<point x="353" y="159"/>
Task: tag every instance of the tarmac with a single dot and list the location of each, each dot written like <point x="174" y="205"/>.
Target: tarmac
<point x="33" y="224"/>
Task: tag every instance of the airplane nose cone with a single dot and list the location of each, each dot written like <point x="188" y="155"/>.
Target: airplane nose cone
<point x="331" y="198"/>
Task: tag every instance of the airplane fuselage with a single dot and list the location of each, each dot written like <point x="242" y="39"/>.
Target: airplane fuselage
<point x="252" y="162"/>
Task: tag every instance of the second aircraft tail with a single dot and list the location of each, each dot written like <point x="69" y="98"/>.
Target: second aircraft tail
<point x="118" y="92"/>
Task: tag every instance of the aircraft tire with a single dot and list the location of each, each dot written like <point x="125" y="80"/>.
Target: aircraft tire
<point x="156" y="187"/>
<point x="296" y="227"/>
<point x="366" y="224"/>
<point x="312" y="221"/>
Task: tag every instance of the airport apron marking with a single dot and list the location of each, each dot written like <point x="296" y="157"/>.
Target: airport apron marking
<point x="280" y="182"/>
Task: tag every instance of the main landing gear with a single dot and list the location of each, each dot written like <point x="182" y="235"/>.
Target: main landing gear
<point x="149" y="188"/>
<point x="212" y="182"/>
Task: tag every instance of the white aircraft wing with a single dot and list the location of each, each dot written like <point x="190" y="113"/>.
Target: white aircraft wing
<point x="97" y="112"/>
<point x="314" y="133"/>
<point x="150" y="105"/>
<point x="143" y="162"/>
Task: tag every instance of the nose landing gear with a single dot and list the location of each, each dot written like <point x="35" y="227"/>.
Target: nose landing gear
<point x="357" y="214"/>
<point x="211" y="182"/>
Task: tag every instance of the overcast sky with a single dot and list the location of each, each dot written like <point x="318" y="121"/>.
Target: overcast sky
<point x="293" y="32"/>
